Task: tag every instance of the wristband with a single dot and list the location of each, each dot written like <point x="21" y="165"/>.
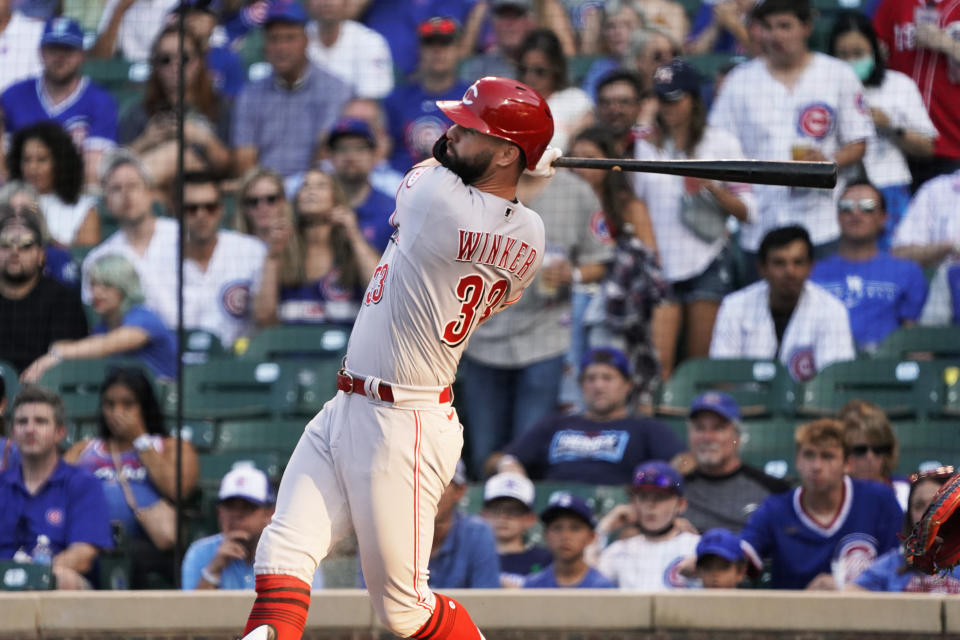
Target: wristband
<point x="209" y="577"/>
<point x="143" y="442"/>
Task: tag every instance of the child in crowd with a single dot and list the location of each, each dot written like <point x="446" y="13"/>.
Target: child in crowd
<point x="651" y="560"/>
<point x="568" y="529"/>
<point x="508" y="509"/>
<point x="721" y="563"/>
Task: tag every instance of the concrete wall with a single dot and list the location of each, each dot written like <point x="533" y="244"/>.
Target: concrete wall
<point x="503" y="615"/>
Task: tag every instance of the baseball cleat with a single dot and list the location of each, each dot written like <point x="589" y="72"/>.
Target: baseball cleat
<point x="263" y="632"/>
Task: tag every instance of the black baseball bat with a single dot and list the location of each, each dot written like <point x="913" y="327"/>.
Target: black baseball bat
<point x="822" y="175"/>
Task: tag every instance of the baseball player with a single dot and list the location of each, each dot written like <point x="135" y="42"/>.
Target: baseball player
<point x="378" y="455"/>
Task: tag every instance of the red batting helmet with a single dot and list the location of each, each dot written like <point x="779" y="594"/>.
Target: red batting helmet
<point x="505" y="109"/>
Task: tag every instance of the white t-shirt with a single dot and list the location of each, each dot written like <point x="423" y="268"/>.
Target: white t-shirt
<point x="458" y="256"/>
<point x="683" y="255"/>
<point x="899" y="97"/>
<point x="932" y="215"/>
<point x="64" y="219"/>
<point x="826" y="109"/>
<point x="818" y="333"/>
<point x="360" y="57"/>
<point x="20" y="49"/>
<point x="638" y="563"/>
<point x="139" y="26"/>
<point x="938" y="309"/>
<point x="569" y="106"/>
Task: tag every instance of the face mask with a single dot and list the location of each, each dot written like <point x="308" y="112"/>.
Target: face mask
<point x="863" y="67"/>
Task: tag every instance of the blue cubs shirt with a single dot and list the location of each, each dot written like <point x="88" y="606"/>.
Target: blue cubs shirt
<point x="546" y="579"/>
<point x="69" y="507"/>
<point x="89" y="114"/>
<point x="890" y="573"/>
<point x="160" y="351"/>
<point x="415" y="122"/>
<point x="800" y="548"/>
<point x="515" y="567"/>
<point x="373" y="218"/>
<point x="879" y="294"/>
<point x="576" y="449"/>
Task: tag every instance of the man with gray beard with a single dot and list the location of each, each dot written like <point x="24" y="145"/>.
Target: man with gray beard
<point x="721" y="491"/>
<point x="602" y="445"/>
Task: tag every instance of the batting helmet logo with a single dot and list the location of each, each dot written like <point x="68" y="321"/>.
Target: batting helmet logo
<point x="505" y="109"/>
<point x="816" y="120"/>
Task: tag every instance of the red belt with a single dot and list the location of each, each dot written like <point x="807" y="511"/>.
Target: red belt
<point x="351" y="384"/>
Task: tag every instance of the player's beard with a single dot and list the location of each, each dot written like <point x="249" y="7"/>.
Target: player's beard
<point x="469" y="170"/>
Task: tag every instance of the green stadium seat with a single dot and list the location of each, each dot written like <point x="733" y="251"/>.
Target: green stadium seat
<point x="11" y="381"/>
<point x="709" y="64"/>
<point x="760" y="387"/>
<point x="310" y="384"/>
<point x="202" y="434"/>
<point x="922" y="343"/>
<point x="299" y="342"/>
<point x="925" y="441"/>
<point x="767" y="439"/>
<point x="78" y="382"/>
<point x="231" y="388"/>
<point x="108" y="72"/>
<point x="213" y="466"/>
<point x="577" y="68"/>
<point x="951" y="396"/>
<point x="279" y="436"/>
<point x="902" y="388"/>
<point x="25" y="577"/>
<point x="201" y="345"/>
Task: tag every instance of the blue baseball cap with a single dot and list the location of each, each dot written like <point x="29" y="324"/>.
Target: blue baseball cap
<point x="720" y="542"/>
<point x="212" y="7"/>
<point x="606" y="355"/>
<point x="673" y="80"/>
<point x="62" y="32"/>
<point x="286" y="11"/>
<point x="657" y="475"/>
<point x="565" y="502"/>
<point x="718" y="402"/>
<point x="351" y="127"/>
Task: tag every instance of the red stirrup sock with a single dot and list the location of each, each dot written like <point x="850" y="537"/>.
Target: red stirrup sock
<point x="450" y="620"/>
<point x="282" y="601"/>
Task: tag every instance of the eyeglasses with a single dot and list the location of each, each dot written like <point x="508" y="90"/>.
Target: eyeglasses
<point x="164" y="59"/>
<point x="940" y="473"/>
<point x="860" y="450"/>
<point x="193" y="208"/>
<point x="21" y="243"/>
<point x="866" y="205"/>
<point x="540" y="72"/>
<point x="252" y="201"/>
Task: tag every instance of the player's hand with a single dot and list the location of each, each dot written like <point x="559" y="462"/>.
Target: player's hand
<point x="823" y="582"/>
<point x="232" y="547"/>
<point x="545" y="168"/>
<point x="617" y="518"/>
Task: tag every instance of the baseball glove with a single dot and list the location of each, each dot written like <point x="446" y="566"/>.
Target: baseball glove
<point x="934" y="543"/>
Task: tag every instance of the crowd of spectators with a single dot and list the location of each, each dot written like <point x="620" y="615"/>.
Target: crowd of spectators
<point x="299" y="121"/>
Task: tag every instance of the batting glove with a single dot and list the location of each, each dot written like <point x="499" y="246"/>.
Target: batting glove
<point x="545" y="168"/>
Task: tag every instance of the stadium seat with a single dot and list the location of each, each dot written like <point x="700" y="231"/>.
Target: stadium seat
<point x="299" y="342"/>
<point x="902" y="388"/>
<point x="922" y="343"/>
<point x="923" y="442"/>
<point x="78" y="382"/>
<point x="11" y="381"/>
<point x="25" y="577"/>
<point x="760" y="387"/>
<point x="231" y="388"/>
<point x="708" y="65"/>
<point x="201" y="345"/>
<point x="213" y="466"/>
<point x="310" y="384"/>
<point x="279" y="436"/>
<point x="202" y="434"/>
<point x="768" y="439"/>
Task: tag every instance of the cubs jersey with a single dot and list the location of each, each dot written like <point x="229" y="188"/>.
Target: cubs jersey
<point x="416" y="121"/>
<point x="824" y="110"/>
<point x="89" y="114"/>
<point x="801" y="548"/>
<point x="639" y="563"/>
<point x="458" y="255"/>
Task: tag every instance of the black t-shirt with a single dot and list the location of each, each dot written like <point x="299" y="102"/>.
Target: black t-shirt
<point x="575" y="449"/>
<point x="727" y="501"/>
<point x="780" y="321"/>
<point x="514" y="567"/>
<point x="29" y="325"/>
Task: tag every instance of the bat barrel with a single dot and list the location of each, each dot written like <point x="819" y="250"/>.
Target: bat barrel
<point x="821" y="175"/>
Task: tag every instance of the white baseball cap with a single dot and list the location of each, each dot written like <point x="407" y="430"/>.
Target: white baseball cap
<point x="509" y="484"/>
<point x="247" y="482"/>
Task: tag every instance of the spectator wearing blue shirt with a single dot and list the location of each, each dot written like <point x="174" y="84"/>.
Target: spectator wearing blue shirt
<point x="127" y="329"/>
<point x="43" y="495"/>
<point x="881" y="292"/>
<point x="225" y="560"/>
<point x="568" y="530"/>
<point x="890" y="571"/>
<point x="414" y="121"/>
<point x="821" y="534"/>
<point x="352" y="152"/>
<point x="63" y="94"/>
<point x="720" y="27"/>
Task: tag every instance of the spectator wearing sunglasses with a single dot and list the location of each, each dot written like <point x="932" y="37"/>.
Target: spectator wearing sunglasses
<point x="881" y="292"/>
<point x="35" y="310"/>
<point x="873" y="447"/>
<point x="543" y="67"/>
<point x="651" y="560"/>
<point x="890" y="572"/>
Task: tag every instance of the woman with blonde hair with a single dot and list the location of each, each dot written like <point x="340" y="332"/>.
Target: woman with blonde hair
<point x="126" y="329"/>
<point x="264" y="211"/>
<point x="334" y="263"/>
<point x="873" y="447"/>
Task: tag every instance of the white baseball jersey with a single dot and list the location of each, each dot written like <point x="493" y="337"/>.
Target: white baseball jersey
<point x="459" y="255"/>
<point x="638" y="563"/>
<point x="932" y="214"/>
<point x="360" y="57"/>
<point x="825" y="109"/>
<point x="685" y="255"/>
<point x="817" y="334"/>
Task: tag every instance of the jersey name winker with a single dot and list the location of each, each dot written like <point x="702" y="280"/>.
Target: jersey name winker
<point x="498" y="255"/>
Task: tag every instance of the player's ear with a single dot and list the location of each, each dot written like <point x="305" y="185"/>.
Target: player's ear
<point x="508" y="154"/>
